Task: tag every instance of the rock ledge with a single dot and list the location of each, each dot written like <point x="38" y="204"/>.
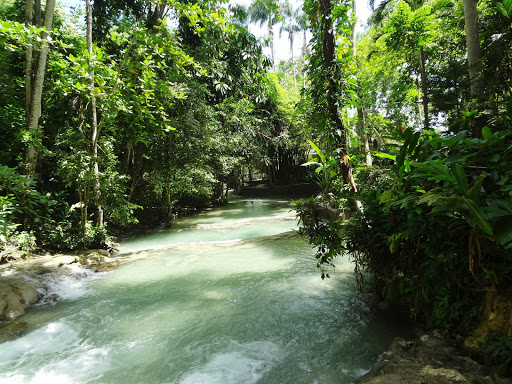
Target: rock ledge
<point x="430" y="359"/>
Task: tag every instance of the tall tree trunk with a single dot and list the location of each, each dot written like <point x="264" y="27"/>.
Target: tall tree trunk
<point x="29" y="9"/>
<point x="304" y="52"/>
<point x="331" y="66"/>
<point x="271" y="34"/>
<point x="473" y="47"/>
<point x="419" y="103"/>
<point x="158" y="14"/>
<point x="37" y="91"/>
<point x="360" y="113"/>
<point x="94" y="122"/>
<point x="474" y="59"/>
<point x="293" y="61"/>
<point x="353" y="35"/>
<point x="424" y="90"/>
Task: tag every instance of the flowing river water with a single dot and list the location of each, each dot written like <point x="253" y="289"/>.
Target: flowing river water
<point x="230" y="295"/>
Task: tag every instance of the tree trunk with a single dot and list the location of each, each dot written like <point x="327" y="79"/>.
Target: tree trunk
<point x="474" y="59"/>
<point x="156" y="17"/>
<point x="473" y="47"/>
<point x="331" y="66"/>
<point x="29" y="7"/>
<point x="94" y="122"/>
<point x="424" y="90"/>
<point x="353" y="36"/>
<point x="293" y="62"/>
<point x="37" y="91"/>
<point x="271" y="34"/>
<point x="360" y="113"/>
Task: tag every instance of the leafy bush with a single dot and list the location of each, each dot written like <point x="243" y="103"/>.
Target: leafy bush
<point x="498" y="348"/>
<point x="436" y="226"/>
<point x="437" y="231"/>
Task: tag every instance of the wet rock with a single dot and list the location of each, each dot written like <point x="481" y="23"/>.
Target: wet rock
<point x="430" y="359"/>
<point x="16" y="295"/>
<point x="451" y="375"/>
<point x="59" y="261"/>
<point x="12" y="331"/>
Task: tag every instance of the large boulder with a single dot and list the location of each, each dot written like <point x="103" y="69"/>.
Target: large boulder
<point x="16" y="295"/>
<point x="430" y="359"/>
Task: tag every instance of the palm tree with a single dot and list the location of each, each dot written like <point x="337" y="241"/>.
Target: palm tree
<point x="266" y="11"/>
<point x="291" y="25"/>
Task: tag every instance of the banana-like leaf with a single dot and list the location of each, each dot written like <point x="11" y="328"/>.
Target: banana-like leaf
<point x="475" y="189"/>
<point x="385" y="156"/>
<point x="504" y="232"/>
<point x="312" y="163"/>
<point x="460" y="177"/>
<point x="478" y="216"/>
<point x="508" y="5"/>
<point x="486" y="133"/>
<point x="318" y="151"/>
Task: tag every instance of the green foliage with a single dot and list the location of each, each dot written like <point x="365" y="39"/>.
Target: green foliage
<point x="24" y="212"/>
<point x="179" y="110"/>
<point x="498" y="348"/>
<point x="432" y="231"/>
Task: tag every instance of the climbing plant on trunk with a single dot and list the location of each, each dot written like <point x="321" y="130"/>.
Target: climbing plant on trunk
<point x="327" y="77"/>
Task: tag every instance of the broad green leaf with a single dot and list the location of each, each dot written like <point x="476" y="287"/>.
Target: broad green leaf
<point x="318" y="151"/>
<point x="486" y="133"/>
<point x="508" y="5"/>
<point x="504" y="232"/>
<point x="478" y="216"/>
<point x="494" y="213"/>
<point x="460" y="177"/>
<point x="386" y="196"/>
<point x="475" y="189"/>
<point x="385" y="156"/>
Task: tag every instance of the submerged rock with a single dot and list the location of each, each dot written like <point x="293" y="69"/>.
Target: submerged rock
<point x="12" y="331"/>
<point x="431" y="359"/>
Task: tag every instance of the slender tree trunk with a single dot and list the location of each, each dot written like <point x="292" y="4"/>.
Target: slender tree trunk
<point x="29" y="9"/>
<point x="293" y="61"/>
<point x="271" y="34"/>
<point x="94" y="123"/>
<point x="305" y="52"/>
<point x="424" y="90"/>
<point x="37" y="23"/>
<point x="37" y="91"/>
<point x="473" y="47"/>
<point x="474" y="59"/>
<point x="419" y="103"/>
<point x="360" y="113"/>
<point x="366" y="142"/>
<point x="37" y="14"/>
<point x="353" y="36"/>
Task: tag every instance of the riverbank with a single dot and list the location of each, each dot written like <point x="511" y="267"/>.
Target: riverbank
<point x="27" y="279"/>
<point x="429" y="359"/>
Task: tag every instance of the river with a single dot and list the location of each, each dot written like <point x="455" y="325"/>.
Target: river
<point x="230" y="295"/>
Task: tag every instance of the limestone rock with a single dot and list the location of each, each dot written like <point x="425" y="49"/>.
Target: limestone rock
<point x="12" y="331"/>
<point x="59" y="261"/>
<point x="450" y="374"/>
<point x="430" y="359"/>
<point x="16" y="295"/>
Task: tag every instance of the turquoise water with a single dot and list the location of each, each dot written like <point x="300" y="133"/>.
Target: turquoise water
<point x="227" y="296"/>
